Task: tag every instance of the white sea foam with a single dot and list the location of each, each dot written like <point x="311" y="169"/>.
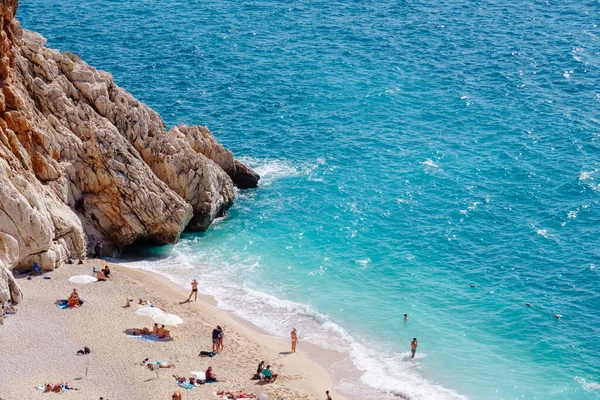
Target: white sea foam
<point x="587" y="386"/>
<point x="378" y="374"/>
<point x="430" y="163"/>
<point x="272" y="170"/>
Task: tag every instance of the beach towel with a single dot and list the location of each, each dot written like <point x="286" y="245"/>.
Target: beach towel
<point x="186" y="385"/>
<point x="150" y="338"/>
<point x="206" y="354"/>
<point x="65" y="303"/>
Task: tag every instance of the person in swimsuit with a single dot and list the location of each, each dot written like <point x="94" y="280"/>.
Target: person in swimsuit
<point x="413" y="347"/>
<point x="194" y="291"/>
<point x="294" y="337"/>
<point x="155" y="329"/>
<point x="406" y="317"/>
<point x="100" y="275"/>
<point x="328" y="396"/>
<point x="106" y="271"/>
<point x="176" y="396"/>
<point x="74" y="299"/>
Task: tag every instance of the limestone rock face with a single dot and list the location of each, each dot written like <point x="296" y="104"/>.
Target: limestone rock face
<point x="82" y="162"/>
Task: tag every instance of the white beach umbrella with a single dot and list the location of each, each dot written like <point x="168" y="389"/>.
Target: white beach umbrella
<point x="82" y="279"/>
<point x="167" y="319"/>
<point x="148" y="311"/>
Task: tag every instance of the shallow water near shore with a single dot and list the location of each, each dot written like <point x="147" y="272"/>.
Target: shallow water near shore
<point x="407" y="151"/>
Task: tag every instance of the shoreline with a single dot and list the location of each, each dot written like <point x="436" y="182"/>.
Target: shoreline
<point x="41" y="342"/>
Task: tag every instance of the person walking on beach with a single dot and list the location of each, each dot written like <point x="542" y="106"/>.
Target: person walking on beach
<point x="413" y="347"/>
<point x="294" y="337"/>
<point x="215" y="339"/>
<point x="194" y="291"/>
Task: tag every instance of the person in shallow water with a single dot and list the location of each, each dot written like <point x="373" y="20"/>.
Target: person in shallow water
<point x="194" y="291"/>
<point x="413" y="347"/>
<point x="294" y="337"/>
<point x="406" y="317"/>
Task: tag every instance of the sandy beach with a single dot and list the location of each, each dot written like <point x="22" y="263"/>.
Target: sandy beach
<point x="40" y="342"/>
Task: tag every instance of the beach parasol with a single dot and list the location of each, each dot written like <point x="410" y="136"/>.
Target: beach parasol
<point x="167" y="319"/>
<point x="82" y="279"/>
<point x="148" y="311"/>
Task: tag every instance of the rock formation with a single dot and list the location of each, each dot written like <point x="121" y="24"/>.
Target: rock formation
<point x="82" y="162"/>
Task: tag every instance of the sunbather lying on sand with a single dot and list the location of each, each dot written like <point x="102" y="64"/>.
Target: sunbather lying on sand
<point x="152" y="365"/>
<point x="230" y="394"/>
<point x="138" y="332"/>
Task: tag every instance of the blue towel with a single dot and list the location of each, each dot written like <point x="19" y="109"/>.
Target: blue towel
<point x="65" y="303"/>
<point x="150" y="338"/>
<point x="186" y="385"/>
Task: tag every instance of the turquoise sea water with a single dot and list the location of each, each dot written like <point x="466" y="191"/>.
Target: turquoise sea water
<point x="408" y="150"/>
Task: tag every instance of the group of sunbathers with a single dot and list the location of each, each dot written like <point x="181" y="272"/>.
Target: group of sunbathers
<point x="159" y="332"/>
<point x="6" y="308"/>
<point x="103" y="274"/>
<point x="59" y="387"/>
<point x="265" y="373"/>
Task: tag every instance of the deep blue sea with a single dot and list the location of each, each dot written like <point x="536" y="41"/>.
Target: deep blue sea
<point x="408" y="150"/>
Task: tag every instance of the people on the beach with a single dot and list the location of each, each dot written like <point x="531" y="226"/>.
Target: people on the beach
<point x="8" y="308"/>
<point x="158" y="364"/>
<point x="100" y="275"/>
<point x="413" y="347"/>
<point x="269" y="375"/>
<point x="328" y="396"/>
<point x="259" y="369"/>
<point x="230" y="394"/>
<point x="176" y="396"/>
<point x="294" y="337"/>
<point x="155" y="329"/>
<point x="215" y="339"/>
<point x="74" y="300"/>
<point x="138" y="331"/>
<point x="210" y="375"/>
<point x="221" y="335"/>
<point x="106" y="271"/>
<point x="163" y="333"/>
<point x="194" y="291"/>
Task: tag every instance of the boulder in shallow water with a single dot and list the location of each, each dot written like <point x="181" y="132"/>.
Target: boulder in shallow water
<point x="244" y="177"/>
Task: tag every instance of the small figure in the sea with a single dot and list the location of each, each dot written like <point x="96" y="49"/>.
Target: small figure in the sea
<point x="328" y="396"/>
<point x="194" y="291"/>
<point x="294" y="337"/>
<point x="413" y="347"/>
<point x="557" y="316"/>
<point x="472" y="285"/>
<point x="406" y="317"/>
<point x="528" y="305"/>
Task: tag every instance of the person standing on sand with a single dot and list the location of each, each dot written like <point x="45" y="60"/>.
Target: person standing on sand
<point x="294" y="337"/>
<point x="215" y="340"/>
<point x="413" y="347"/>
<point x="194" y="291"/>
<point x="221" y="335"/>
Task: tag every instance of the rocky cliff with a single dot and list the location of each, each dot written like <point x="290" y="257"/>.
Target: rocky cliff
<point x="82" y="162"/>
